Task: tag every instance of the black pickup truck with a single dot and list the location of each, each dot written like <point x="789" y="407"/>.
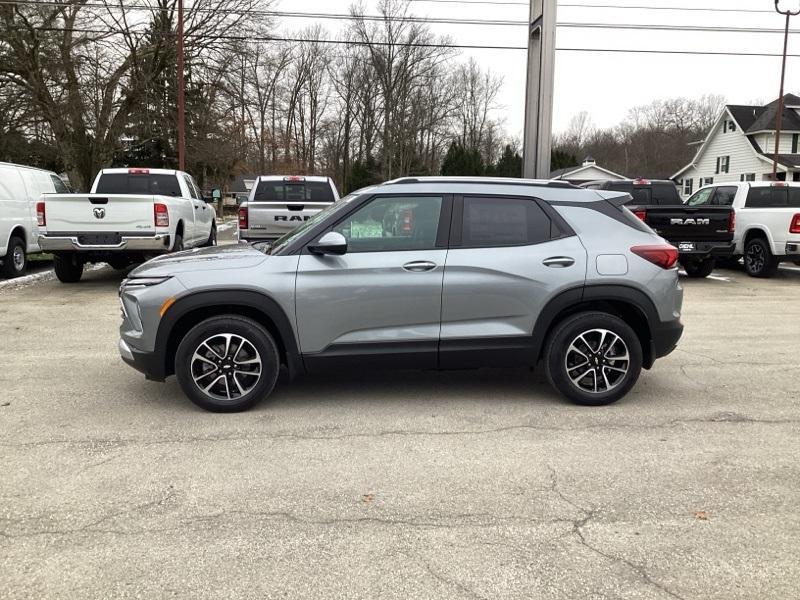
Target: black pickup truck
<point x="700" y="233"/>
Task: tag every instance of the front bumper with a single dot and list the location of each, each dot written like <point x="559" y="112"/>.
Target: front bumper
<point x="73" y="242"/>
<point x="144" y="362"/>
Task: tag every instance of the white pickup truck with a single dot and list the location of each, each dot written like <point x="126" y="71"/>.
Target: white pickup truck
<point x="767" y="229"/>
<point x="129" y="216"/>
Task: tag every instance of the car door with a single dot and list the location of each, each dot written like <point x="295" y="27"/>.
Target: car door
<point x="206" y="214"/>
<point x="380" y="302"/>
<point x="508" y="257"/>
<point x="193" y="201"/>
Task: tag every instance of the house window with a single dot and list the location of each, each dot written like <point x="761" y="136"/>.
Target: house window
<point x="706" y="181"/>
<point x="747" y="177"/>
<point x="724" y="127"/>
<point x="732" y="126"/>
<point x="725" y="164"/>
<point x="687" y="187"/>
<point x="795" y="137"/>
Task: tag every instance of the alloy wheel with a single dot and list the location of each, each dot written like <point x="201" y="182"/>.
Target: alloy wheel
<point x="597" y="361"/>
<point x="755" y="257"/>
<point x="18" y="258"/>
<point x="226" y="367"/>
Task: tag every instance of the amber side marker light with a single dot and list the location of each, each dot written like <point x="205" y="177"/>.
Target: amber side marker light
<point x="165" y="306"/>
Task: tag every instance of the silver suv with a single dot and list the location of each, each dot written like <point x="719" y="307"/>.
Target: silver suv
<point x="416" y="273"/>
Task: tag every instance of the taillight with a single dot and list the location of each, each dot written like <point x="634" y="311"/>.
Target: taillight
<point x="732" y="221"/>
<point x="160" y="215"/>
<point x="640" y="214"/>
<point x="795" y="226"/>
<point x="138" y="171"/>
<point x="41" y="218"/>
<point x="662" y="255"/>
<point x="243" y="218"/>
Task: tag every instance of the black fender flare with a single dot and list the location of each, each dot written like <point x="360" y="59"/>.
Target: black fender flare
<point x="220" y="300"/>
<point x="574" y="297"/>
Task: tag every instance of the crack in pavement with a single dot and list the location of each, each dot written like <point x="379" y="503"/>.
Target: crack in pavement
<point x="396" y="432"/>
<point x="577" y="529"/>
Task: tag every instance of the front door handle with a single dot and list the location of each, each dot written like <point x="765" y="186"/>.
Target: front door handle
<point x="419" y="266"/>
<point x="558" y="262"/>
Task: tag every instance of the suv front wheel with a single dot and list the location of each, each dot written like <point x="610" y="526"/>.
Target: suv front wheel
<point x="227" y="363"/>
<point x="593" y="358"/>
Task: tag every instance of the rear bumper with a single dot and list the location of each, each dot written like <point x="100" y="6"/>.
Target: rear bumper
<point x="153" y="243"/>
<point x="665" y="337"/>
<point x="148" y="363"/>
<point x="704" y="250"/>
<point x="793" y="250"/>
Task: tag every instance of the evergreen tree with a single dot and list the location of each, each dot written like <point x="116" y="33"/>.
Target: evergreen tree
<point x="462" y="161"/>
<point x="509" y="164"/>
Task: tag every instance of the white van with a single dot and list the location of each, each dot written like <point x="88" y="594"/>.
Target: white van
<point x="20" y="189"/>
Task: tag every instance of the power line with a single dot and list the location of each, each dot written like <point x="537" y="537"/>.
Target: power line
<point x="605" y="6"/>
<point x="248" y="38"/>
<point x="433" y="20"/>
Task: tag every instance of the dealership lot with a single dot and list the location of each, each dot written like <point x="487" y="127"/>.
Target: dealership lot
<point x="476" y="484"/>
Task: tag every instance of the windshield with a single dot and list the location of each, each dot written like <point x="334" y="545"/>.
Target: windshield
<point x="334" y="208"/>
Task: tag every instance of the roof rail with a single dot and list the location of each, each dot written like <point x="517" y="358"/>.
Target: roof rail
<point x="485" y="181"/>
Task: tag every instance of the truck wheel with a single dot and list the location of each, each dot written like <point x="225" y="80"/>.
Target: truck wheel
<point x="212" y="237"/>
<point x="593" y="358"/>
<point x="758" y="258"/>
<point x="227" y="363"/>
<point x="15" y="262"/>
<point x="699" y="268"/>
<point x="68" y="268"/>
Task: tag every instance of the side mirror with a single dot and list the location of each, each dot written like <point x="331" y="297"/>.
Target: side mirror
<point x="262" y="246"/>
<point x="332" y="242"/>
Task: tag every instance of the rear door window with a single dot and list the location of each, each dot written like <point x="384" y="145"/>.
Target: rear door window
<point x="143" y="184"/>
<point x="290" y="191"/>
<point x="495" y="221"/>
<point x="724" y="196"/>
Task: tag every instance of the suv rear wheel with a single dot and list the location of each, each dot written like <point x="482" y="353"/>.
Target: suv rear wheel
<point x="758" y="258"/>
<point x="227" y="363"/>
<point x="593" y="358"/>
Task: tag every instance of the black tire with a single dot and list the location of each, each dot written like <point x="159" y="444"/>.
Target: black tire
<point x="15" y="262"/>
<point x="212" y="237"/>
<point x="68" y="268"/>
<point x="190" y="370"/>
<point x="177" y="245"/>
<point x="119" y="264"/>
<point x="700" y="268"/>
<point x="797" y="262"/>
<point x="559" y="366"/>
<point x="758" y="258"/>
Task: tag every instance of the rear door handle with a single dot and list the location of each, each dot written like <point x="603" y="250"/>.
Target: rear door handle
<point x="419" y="266"/>
<point x="558" y="262"/>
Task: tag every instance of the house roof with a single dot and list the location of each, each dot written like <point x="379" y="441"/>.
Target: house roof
<point x="571" y="172"/>
<point x="744" y="115"/>
<point x="767" y="117"/>
<point x="787" y="160"/>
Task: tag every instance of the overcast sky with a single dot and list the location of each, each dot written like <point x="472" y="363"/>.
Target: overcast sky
<point x="608" y="84"/>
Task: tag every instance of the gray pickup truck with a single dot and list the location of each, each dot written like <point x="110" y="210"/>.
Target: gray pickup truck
<point x="277" y="204"/>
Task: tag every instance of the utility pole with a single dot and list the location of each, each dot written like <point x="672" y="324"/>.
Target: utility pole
<point x="788" y="13"/>
<point x="539" y="90"/>
<point x="181" y="100"/>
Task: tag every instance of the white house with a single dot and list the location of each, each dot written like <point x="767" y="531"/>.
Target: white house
<point x="741" y="144"/>
<point x="588" y="171"/>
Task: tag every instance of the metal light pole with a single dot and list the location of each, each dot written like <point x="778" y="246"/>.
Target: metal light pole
<point x="788" y="13"/>
<point x="539" y="90"/>
<point x="181" y="103"/>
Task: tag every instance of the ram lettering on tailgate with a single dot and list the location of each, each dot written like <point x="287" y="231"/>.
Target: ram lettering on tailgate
<point x="689" y="221"/>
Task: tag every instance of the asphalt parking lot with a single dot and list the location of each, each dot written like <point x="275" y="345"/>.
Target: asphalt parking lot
<point x="478" y="484"/>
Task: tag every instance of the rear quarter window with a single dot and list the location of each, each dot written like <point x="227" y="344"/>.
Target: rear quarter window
<point x="142" y="184"/>
<point x="767" y="197"/>
<point x="282" y="191"/>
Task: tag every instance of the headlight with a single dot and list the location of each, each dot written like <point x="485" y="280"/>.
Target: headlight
<point x="139" y="282"/>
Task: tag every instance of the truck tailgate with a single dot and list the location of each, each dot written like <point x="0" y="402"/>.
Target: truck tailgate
<point x="90" y="213"/>
<point x="281" y="215"/>
<point x="680" y="223"/>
